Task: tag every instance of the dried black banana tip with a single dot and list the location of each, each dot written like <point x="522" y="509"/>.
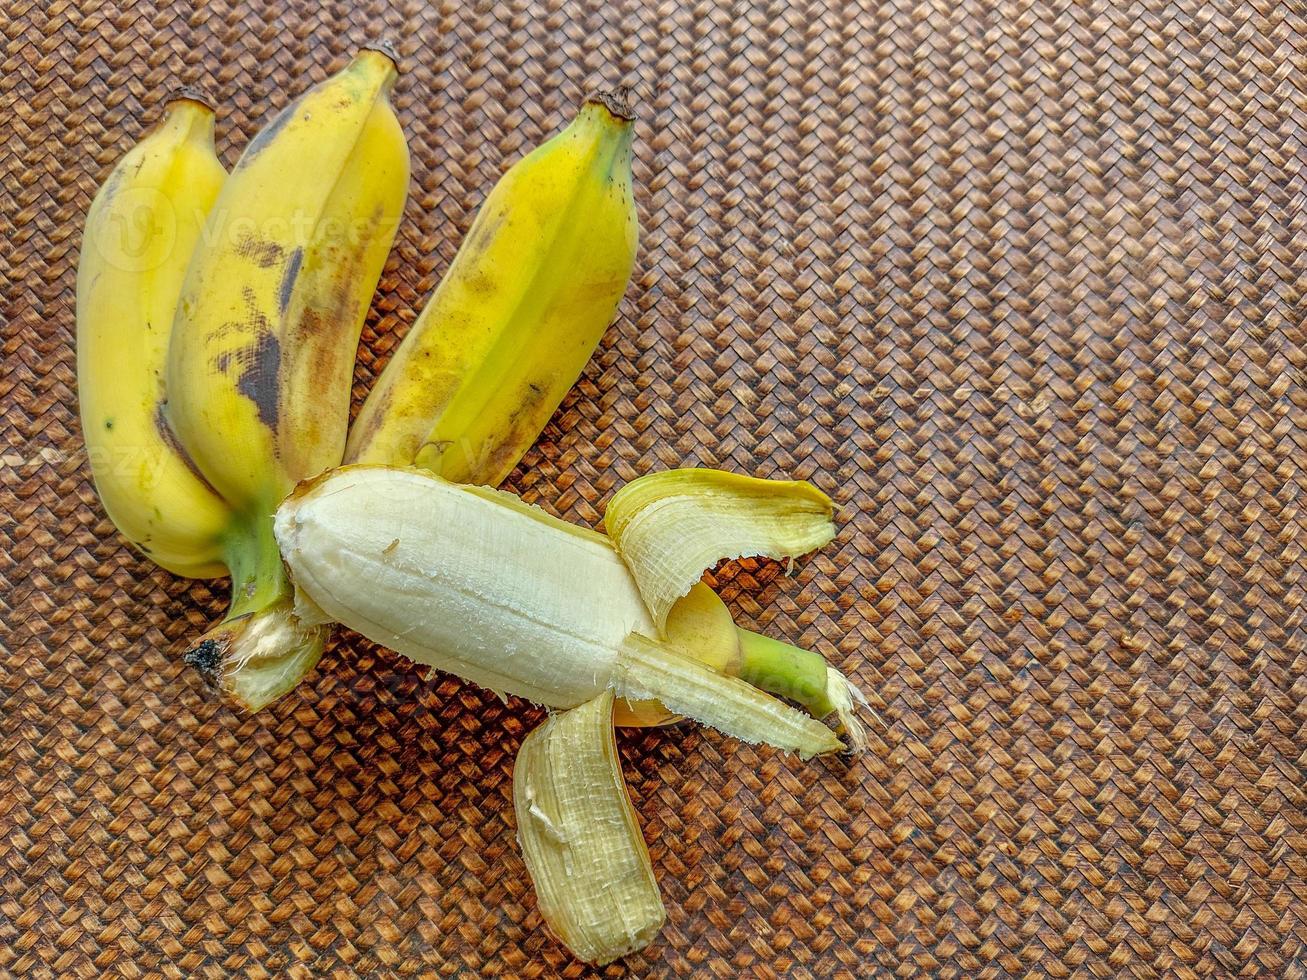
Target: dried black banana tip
<point x="191" y="93"/>
<point x="618" y="102"/>
<point x="383" y="45"/>
<point x="205" y="656"/>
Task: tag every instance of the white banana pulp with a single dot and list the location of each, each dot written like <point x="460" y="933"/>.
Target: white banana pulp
<point x="499" y="593"/>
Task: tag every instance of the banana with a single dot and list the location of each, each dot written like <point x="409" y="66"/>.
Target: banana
<point x="143" y="226"/>
<point x="261" y="359"/>
<point x="477" y="583"/>
<point x="523" y="306"/>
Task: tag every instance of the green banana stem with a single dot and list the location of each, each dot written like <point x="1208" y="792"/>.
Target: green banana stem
<point x="786" y="671"/>
<point x="258" y="578"/>
<point x="805" y="678"/>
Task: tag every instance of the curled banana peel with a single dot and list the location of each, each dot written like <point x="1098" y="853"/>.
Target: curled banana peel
<point x="673" y="526"/>
<point x="580" y="840"/>
<point x="480" y="584"/>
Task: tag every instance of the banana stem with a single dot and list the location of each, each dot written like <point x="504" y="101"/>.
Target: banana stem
<point x="805" y="678"/>
<point x="258" y="578"/>
<point x="786" y="671"/>
<point x="261" y="649"/>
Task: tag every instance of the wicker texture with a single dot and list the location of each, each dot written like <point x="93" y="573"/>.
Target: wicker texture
<point x="1021" y="285"/>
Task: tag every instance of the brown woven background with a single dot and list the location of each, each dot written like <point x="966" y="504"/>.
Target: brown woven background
<point x="1021" y="285"/>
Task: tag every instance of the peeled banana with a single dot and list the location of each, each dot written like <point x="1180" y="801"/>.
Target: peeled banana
<point x="263" y="345"/>
<point x="477" y="583"/>
<point x="521" y="310"/>
<point x="140" y="232"/>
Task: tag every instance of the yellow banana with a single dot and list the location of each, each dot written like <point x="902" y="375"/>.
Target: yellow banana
<point x="140" y="232"/>
<point x="511" y="326"/>
<point x="263" y="345"/>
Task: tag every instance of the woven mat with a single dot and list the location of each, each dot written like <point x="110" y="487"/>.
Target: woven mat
<point x="1021" y="285"/>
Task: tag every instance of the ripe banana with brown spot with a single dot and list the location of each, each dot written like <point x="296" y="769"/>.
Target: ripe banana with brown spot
<point x="513" y="323"/>
<point x="263" y="345"/>
<point x="140" y="232"/>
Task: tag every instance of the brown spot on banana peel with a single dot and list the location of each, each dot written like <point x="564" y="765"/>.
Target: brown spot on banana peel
<point x="288" y="278"/>
<point x="482" y="234"/>
<point x="257" y="364"/>
<point x="316" y="334"/>
<point x="260" y="379"/>
<point x="499" y="455"/>
<point x="264" y="254"/>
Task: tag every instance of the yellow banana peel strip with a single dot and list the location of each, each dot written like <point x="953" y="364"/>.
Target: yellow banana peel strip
<point x="580" y="839"/>
<point x="647" y="669"/>
<point x="671" y="527"/>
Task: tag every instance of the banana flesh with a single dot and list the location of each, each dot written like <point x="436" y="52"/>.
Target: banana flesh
<point x="523" y="306"/>
<point x="140" y="233"/>
<point x="260" y="364"/>
<point x="463" y="580"/>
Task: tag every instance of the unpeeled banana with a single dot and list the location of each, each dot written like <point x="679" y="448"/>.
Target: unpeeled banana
<point x="140" y="232"/>
<point x="522" y="308"/>
<point x="263" y="345"/>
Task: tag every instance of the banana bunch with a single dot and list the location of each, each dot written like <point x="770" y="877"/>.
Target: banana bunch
<point x="218" y="319"/>
<point x="265" y="286"/>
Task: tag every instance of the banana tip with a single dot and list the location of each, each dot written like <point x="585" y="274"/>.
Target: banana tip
<point x="384" y="46"/>
<point x="617" y="102"/>
<point x="191" y="93"/>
